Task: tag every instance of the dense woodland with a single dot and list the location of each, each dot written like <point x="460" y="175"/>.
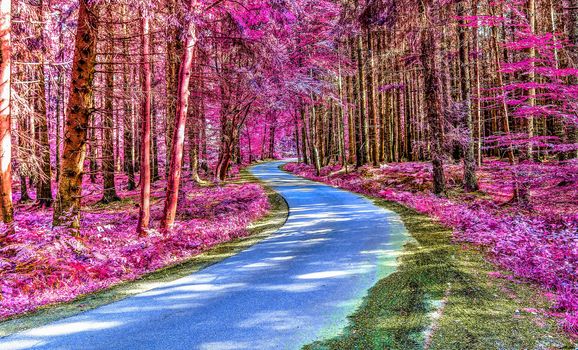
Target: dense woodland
<point x="126" y="95"/>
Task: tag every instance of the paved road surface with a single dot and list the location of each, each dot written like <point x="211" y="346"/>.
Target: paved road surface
<point x="293" y="288"/>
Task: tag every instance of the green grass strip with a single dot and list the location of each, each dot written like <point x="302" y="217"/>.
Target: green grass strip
<point x="441" y="297"/>
<point x="258" y="231"/>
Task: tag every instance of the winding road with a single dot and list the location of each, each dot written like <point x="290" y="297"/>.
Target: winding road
<point x="292" y="288"/>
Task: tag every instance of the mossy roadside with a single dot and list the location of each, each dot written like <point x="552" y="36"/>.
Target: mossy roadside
<point x="443" y="297"/>
<point x="257" y="232"/>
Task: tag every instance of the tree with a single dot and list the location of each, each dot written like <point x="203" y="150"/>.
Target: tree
<point x="5" y="116"/>
<point x="470" y="179"/>
<point x="178" y="139"/>
<point x="430" y="59"/>
<point x="109" y="189"/>
<point x="79" y="110"/>
<point x="145" y="167"/>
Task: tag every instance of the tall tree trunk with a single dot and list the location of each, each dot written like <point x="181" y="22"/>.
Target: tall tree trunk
<point x="360" y="104"/>
<point x="128" y="127"/>
<point x="44" y="187"/>
<point x="154" y="140"/>
<point x="174" y="48"/>
<point x="272" y="140"/>
<point x="304" y="140"/>
<point x="145" y="167"/>
<point x="59" y="97"/>
<point x="478" y="120"/>
<point x="194" y="148"/>
<point x="93" y="148"/>
<point x="470" y="179"/>
<point x="109" y="189"/>
<point x="433" y="101"/>
<point x="570" y="15"/>
<point x="503" y="98"/>
<point x="313" y="142"/>
<point x="5" y="117"/>
<point x="67" y="205"/>
<point x="43" y="182"/>
<point x="371" y="107"/>
<point x="174" y="175"/>
<point x="194" y="121"/>
<point x="529" y="121"/>
<point x="297" y="142"/>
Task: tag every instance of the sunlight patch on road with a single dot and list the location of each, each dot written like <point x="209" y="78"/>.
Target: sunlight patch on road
<point x="325" y="274"/>
<point x="293" y="287"/>
<point x="72" y="327"/>
<point x="21" y="344"/>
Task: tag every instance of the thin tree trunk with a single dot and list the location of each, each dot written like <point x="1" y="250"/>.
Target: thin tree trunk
<point x="313" y="143"/>
<point x="174" y="48"/>
<point x="470" y="179"/>
<point x="109" y="190"/>
<point x="529" y="121"/>
<point x="432" y="90"/>
<point x="304" y="139"/>
<point x="360" y="104"/>
<point x="154" y="139"/>
<point x="5" y="117"/>
<point x="178" y="139"/>
<point x="371" y="109"/>
<point x="128" y="128"/>
<point x="93" y="148"/>
<point x="503" y="99"/>
<point x="145" y="167"/>
<point x="44" y="188"/>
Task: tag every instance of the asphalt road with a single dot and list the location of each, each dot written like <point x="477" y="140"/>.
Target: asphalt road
<point x="293" y="288"/>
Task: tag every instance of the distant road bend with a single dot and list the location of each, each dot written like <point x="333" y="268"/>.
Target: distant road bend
<point x="293" y="288"/>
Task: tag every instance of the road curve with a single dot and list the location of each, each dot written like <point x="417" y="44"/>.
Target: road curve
<point x="293" y="288"/>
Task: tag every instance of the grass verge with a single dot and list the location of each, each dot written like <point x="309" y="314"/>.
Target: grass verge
<point x="257" y="231"/>
<point x="442" y="297"/>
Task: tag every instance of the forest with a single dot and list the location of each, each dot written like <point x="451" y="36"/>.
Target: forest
<point x="129" y="129"/>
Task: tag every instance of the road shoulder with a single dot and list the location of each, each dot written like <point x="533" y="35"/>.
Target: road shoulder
<point x="258" y="231"/>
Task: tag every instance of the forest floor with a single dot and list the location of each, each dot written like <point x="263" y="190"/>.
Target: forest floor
<point x="453" y="289"/>
<point x="46" y="275"/>
<point x="498" y="285"/>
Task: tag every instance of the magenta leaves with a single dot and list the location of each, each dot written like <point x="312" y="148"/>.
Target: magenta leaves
<point x="42" y="265"/>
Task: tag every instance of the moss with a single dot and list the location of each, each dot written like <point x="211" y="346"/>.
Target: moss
<point x="442" y="297"/>
<point x="257" y="231"/>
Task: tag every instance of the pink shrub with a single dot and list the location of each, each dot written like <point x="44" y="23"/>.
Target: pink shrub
<point x="42" y="265"/>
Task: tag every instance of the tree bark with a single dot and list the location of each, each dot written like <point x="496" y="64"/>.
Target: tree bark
<point x="371" y="108"/>
<point x="5" y="116"/>
<point x="174" y="175"/>
<point x="174" y="48"/>
<point x="430" y="57"/>
<point x="532" y="78"/>
<point x="470" y="179"/>
<point x="67" y="205"/>
<point x="145" y="167"/>
<point x="109" y="189"/>
<point x="128" y="127"/>
<point x="43" y="186"/>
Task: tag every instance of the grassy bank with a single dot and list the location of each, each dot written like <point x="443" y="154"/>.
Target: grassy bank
<point x="442" y="297"/>
<point x="257" y="231"/>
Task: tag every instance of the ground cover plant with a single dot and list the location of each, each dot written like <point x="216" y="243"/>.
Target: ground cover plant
<point x="40" y="266"/>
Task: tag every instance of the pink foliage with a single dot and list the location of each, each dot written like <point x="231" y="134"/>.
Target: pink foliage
<point x="42" y="265"/>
